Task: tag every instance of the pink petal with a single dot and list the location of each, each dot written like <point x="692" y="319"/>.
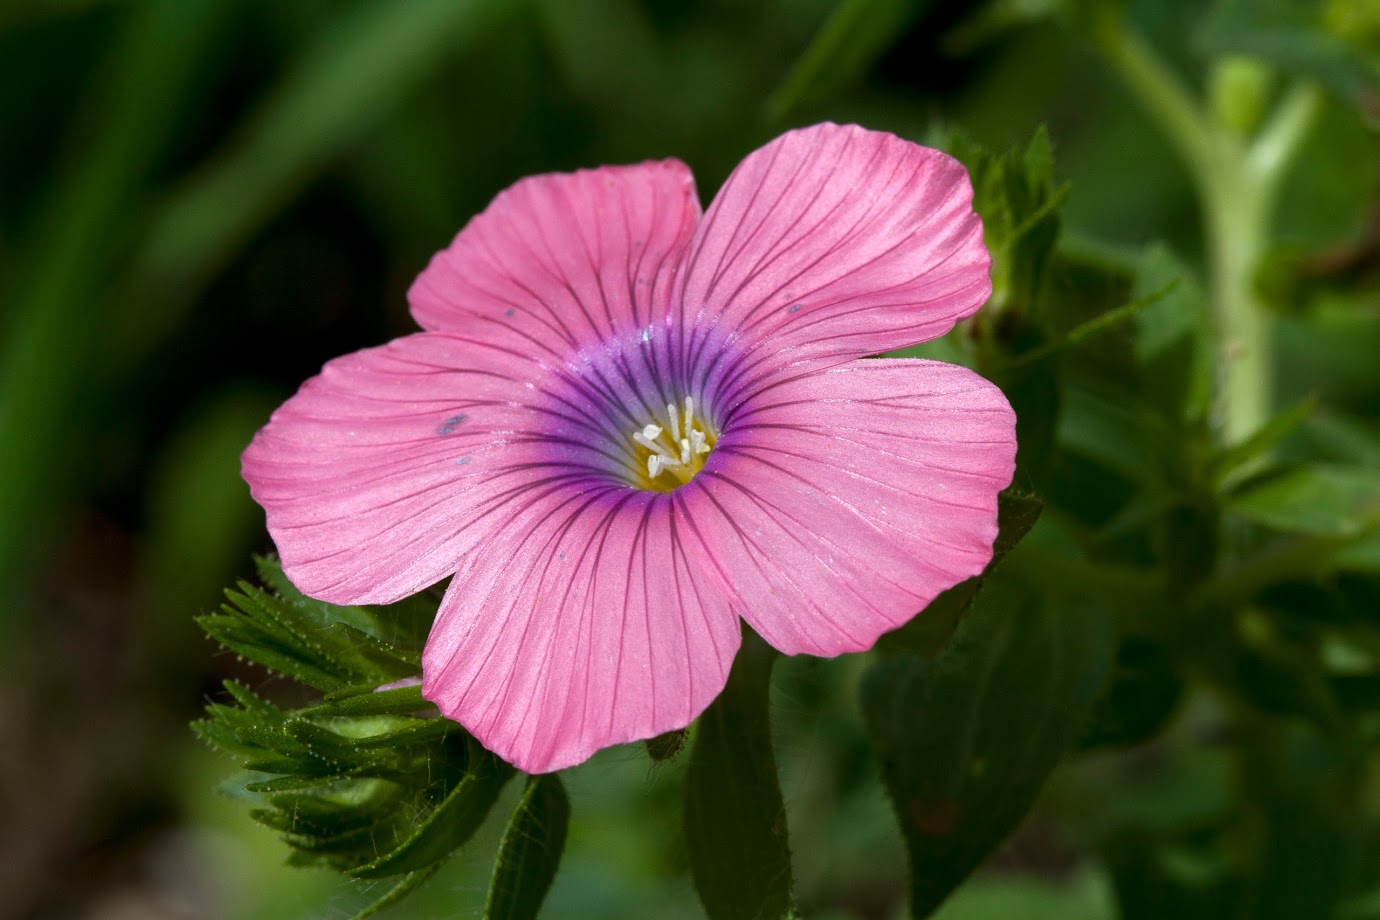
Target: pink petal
<point x="581" y="625"/>
<point x="564" y="260"/>
<point x="834" y="242"/>
<point x="839" y="503"/>
<point x="384" y="469"/>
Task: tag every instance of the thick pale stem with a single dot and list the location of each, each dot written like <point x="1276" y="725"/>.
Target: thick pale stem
<point x="1236" y="220"/>
<point x="1239" y="199"/>
<point x="1237" y="185"/>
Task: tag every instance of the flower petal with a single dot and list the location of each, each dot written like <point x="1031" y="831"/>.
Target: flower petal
<point x="839" y="503"/>
<point x="384" y="469"/>
<point x="834" y="242"/>
<point x="581" y="625"/>
<point x="564" y="260"/>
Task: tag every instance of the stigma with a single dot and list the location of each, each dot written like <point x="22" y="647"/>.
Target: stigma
<point x="675" y="446"/>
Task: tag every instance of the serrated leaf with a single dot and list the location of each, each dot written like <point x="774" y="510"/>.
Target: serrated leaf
<point x="329" y="745"/>
<point x="450" y="824"/>
<point x="735" y="818"/>
<point x="253" y="704"/>
<point x="392" y="625"/>
<point x="331" y="648"/>
<point x="966" y="742"/>
<point x="389" y="660"/>
<point x="397" y="701"/>
<point x="251" y="641"/>
<point x="1321" y="499"/>
<point x="530" y="851"/>
<point x="294" y="782"/>
<point x="1021" y="212"/>
<point x="418" y="731"/>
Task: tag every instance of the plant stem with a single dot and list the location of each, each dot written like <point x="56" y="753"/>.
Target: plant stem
<point x="1235" y="215"/>
<point x="1237" y="187"/>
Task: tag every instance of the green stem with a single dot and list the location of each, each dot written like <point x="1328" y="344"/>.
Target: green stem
<point x="1239" y="197"/>
<point x="735" y="816"/>
<point x="1236" y="216"/>
<point x="1237" y="187"/>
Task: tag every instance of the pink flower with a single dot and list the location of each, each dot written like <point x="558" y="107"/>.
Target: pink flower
<point x="626" y="426"/>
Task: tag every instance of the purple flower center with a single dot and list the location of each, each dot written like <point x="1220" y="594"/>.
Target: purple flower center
<point x="640" y="409"/>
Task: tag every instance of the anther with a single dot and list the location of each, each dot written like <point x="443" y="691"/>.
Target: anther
<point x="656" y="463"/>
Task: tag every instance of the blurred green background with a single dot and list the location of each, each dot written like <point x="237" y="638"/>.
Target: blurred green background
<point x="203" y="200"/>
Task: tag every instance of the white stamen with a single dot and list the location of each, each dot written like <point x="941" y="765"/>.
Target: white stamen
<point x="651" y="445"/>
<point x="689" y="413"/>
<point x="675" y="421"/>
<point x="656" y="463"/>
<point x="699" y="442"/>
<point x="651" y="432"/>
<point x="684" y="450"/>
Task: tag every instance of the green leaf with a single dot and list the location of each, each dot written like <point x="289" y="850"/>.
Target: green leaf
<point x="399" y="701"/>
<point x="735" y="818"/>
<point x="1322" y="499"/>
<point x="269" y="648"/>
<point x="318" y="614"/>
<point x="1243" y="456"/>
<point x="1174" y="344"/>
<point x="530" y="851"/>
<point x="966" y="742"/>
<point x="849" y="42"/>
<point x="1144" y="692"/>
<point x="1021" y="214"/>
<point x="928" y="632"/>
<point x="452" y="822"/>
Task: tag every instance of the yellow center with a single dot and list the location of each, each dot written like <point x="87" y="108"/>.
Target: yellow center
<point x="670" y="450"/>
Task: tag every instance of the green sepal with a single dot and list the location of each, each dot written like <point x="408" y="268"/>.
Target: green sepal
<point x="452" y="822"/>
<point x="530" y="852"/>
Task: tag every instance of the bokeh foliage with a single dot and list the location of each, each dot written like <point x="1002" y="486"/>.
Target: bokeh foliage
<point x="206" y="199"/>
